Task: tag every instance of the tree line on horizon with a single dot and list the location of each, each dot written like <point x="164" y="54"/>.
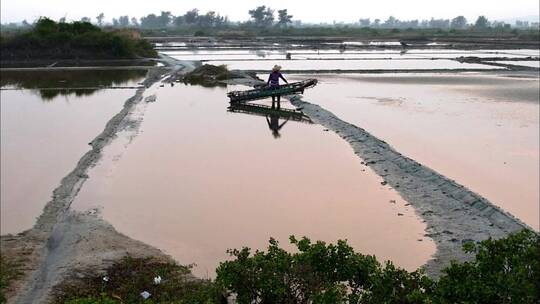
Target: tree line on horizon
<point x="266" y="17"/>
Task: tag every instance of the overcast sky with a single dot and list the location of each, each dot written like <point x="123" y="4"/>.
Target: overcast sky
<point x="305" y="10"/>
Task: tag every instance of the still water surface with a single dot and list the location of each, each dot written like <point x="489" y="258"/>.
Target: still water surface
<point x="199" y="180"/>
<point x="45" y="131"/>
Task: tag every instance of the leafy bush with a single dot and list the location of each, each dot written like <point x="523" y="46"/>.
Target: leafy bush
<point x="504" y="271"/>
<point x="48" y="39"/>
<point x="318" y="273"/>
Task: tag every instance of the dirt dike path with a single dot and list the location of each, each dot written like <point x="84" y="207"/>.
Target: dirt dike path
<point x="64" y="242"/>
<point x="454" y="214"/>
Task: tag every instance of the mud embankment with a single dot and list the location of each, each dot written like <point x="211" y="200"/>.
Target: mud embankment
<point x="454" y="214"/>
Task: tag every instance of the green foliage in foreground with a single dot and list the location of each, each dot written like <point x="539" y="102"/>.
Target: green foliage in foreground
<point x="319" y="273"/>
<point x="49" y="39"/>
<point x="504" y="271"/>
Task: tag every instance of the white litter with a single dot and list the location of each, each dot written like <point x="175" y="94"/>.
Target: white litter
<point x="106" y="279"/>
<point x="157" y="280"/>
<point x="145" y="294"/>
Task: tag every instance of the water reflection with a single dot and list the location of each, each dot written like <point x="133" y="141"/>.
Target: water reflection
<point x="50" y="84"/>
<point x="271" y="114"/>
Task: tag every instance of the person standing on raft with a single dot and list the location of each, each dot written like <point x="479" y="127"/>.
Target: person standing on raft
<point x="273" y="83"/>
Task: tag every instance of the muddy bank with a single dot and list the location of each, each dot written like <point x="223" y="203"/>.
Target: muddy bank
<point x="211" y="75"/>
<point x="63" y="241"/>
<point x="454" y="215"/>
<point x="114" y="63"/>
<point x="493" y="62"/>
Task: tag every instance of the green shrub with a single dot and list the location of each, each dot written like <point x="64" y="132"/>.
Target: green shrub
<point x="318" y="273"/>
<point x="504" y="271"/>
<point x="48" y="39"/>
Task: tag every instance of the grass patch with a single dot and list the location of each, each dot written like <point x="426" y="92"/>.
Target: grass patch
<point x="10" y="270"/>
<point x="208" y="75"/>
<point x="125" y="280"/>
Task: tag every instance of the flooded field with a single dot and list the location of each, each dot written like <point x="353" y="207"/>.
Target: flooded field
<point x="342" y="59"/>
<point x="200" y="179"/>
<point x="375" y="64"/>
<point x="45" y="130"/>
<point x="247" y="54"/>
<point x="194" y="176"/>
<point x="481" y="130"/>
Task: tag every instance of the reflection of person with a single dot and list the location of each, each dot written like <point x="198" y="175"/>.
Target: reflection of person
<point x="273" y="83"/>
<point x="273" y="124"/>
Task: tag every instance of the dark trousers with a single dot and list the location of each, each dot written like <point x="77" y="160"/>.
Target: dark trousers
<point x="274" y="97"/>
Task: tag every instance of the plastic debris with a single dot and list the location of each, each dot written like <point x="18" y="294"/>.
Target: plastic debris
<point x="106" y="279"/>
<point x="157" y="280"/>
<point x="145" y="294"/>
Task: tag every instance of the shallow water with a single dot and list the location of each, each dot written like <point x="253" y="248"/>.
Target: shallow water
<point x="199" y="180"/>
<point x="334" y="59"/>
<point x="215" y="54"/>
<point x="42" y="139"/>
<point x="351" y="64"/>
<point x="47" y="120"/>
<point x="482" y="131"/>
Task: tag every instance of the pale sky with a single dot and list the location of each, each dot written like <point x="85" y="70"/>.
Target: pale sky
<point x="313" y="11"/>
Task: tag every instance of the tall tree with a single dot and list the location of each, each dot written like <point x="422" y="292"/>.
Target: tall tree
<point x="206" y="20"/>
<point x="100" y="18"/>
<point x="459" y="22"/>
<point x="364" y="22"/>
<point x="155" y="22"/>
<point x="391" y="22"/>
<point x="439" y="23"/>
<point x="165" y="19"/>
<point x="191" y="17"/>
<point x="85" y="19"/>
<point x="123" y="21"/>
<point x="150" y="21"/>
<point x="262" y="16"/>
<point x="481" y="23"/>
<point x="284" y="18"/>
<point x="134" y="22"/>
